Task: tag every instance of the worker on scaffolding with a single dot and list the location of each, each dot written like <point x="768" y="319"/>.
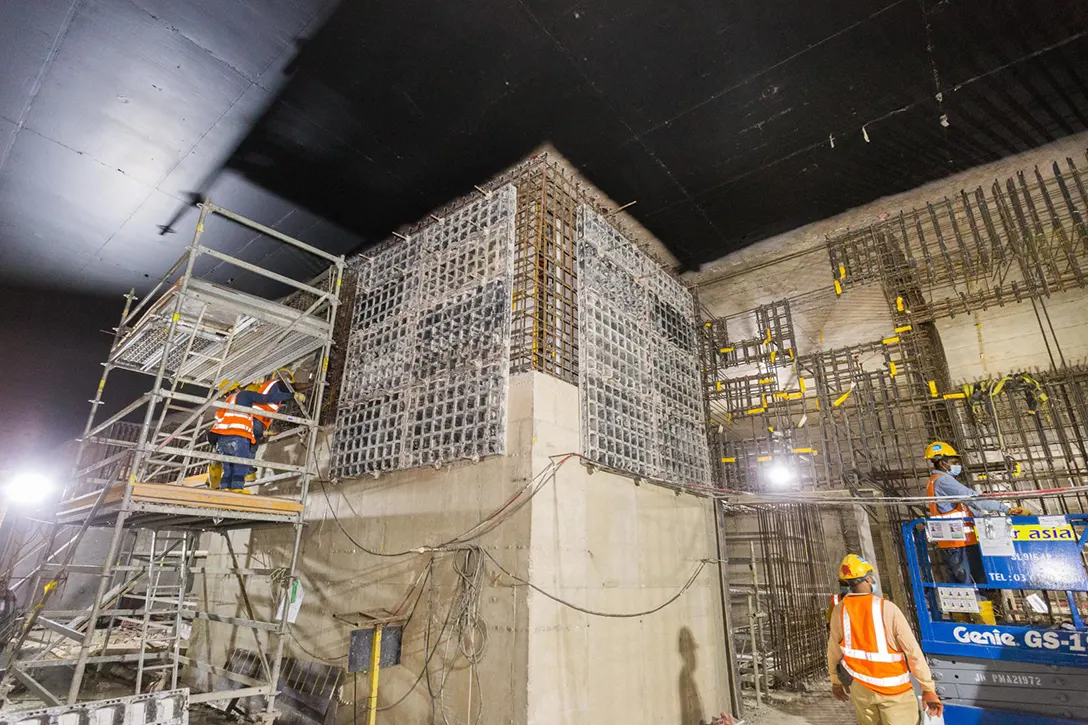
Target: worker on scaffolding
<point x="961" y="557"/>
<point x="237" y="433"/>
<point x="872" y="640"/>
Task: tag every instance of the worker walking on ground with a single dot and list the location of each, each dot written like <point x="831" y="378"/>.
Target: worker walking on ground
<point x="237" y="433"/>
<point x="957" y="557"/>
<point x="873" y="641"/>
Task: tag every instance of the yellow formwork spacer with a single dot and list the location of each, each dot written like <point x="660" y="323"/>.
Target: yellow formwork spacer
<point x="774" y="354"/>
<point x="838" y="287"/>
<point x="842" y="398"/>
<point x="954" y="396"/>
<point x="892" y="370"/>
<point x="755" y="411"/>
<point x="727" y="349"/>
<point x="805" y="450"/>
<point x="719" y="385"/>
<point x="794" y="396"/>
<point x="763" y="459"/>
<point x="890" y="340"/>
<point x="767" y="337"/>
<point x="801" y="383"/>
<point x="904" y="328"/>
<point x="899" y="304"/>
<point x="729" y="460"/>
<point x="765" y="381"/>
<point x="933" y="388"/>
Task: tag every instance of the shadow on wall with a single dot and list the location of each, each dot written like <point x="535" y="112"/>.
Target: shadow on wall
<point x="691" y="705"/>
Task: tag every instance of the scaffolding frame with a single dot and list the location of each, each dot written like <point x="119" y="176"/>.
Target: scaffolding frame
<point x="189" y="334"/>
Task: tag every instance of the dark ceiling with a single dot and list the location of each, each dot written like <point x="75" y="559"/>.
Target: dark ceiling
<point x="726" y="122"/>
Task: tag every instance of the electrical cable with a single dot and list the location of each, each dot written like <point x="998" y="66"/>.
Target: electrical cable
<point x="547" y="474"/>
<point x="617" y="615"/>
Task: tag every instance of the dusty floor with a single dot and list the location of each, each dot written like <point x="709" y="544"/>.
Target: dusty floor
<point x="815" y="708"/>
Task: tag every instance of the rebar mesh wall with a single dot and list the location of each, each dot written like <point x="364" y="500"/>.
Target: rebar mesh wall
<point x="642" y="407"/>
<point x="427" y="367"/>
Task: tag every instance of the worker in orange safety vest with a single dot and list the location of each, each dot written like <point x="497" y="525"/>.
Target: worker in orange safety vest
<point x="958" y="559"/>
<point x="236" y="433"/>
<point x="872" y="640"/>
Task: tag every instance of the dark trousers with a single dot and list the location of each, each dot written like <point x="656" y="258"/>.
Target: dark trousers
<point x="964" y="565"/>
<point x="234" y="474"/>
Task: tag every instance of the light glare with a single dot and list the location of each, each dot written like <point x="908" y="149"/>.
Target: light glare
<point x="28" y="488"/>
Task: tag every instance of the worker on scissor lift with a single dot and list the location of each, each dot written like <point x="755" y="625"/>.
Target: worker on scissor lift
<point x="959" y="557"/>
<point x="237" y="433"/>
<point x="872" y="640"/>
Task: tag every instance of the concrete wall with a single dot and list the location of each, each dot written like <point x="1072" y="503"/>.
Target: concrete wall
<point x="602" y="543"/>
<point x="795" y="265"/>
<point x="595" y="540"/>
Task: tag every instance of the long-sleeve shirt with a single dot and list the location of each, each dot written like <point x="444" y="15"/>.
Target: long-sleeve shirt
<point x="947" y="485"/>
<point x="249" y="398"/>
<point x="899" y="635"/>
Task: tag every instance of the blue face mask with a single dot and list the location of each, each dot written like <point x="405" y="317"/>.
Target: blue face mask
<point x="955" y="469"/>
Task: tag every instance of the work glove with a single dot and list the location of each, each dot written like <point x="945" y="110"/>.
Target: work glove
<point x="300" y="398"/>
<point x="934" y="706"/>
<point x="1019" y="511"/>
<point x="840" y="693"/>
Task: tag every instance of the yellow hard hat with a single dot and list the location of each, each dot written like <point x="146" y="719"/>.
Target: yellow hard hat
<point x="854" y="567"/>
<point x="940" y="449"/>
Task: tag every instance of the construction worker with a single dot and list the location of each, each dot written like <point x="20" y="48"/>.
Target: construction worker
<point x="872" y="640"/>
<point x="281" y="381"/>
<point x="235" y="433"/>
<point x="958" y="558"/>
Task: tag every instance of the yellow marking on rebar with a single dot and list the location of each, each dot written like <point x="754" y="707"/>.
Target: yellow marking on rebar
<point x="890" y="340"/>
<point x="754" y="411"/>
<point x="763" y="459"/>
<point x="904" y="328"/>
<point x="177" y="316"/>
<point x="727" y="349"/>
<point x="49" y="587"/>
<point x="803" y="450"/>
<point x="933" y="388"/>
<point x="200" y="227"/>
<point x="774" y="354"/>
<point x="719" y="385"/>
<point x="101" y="384"/>
<point x="842" y="271"/>
<point x="1016" y="471"/>
<point x="728" y="417"/>
<point x="899" y="303"/>
<point x="981" y="477"/>
<point x="954" y="396"/>
<point x="729" y="460"/>
<point x="765" y="381"/>
<point x="838" y="287"/>
<point x="892" y="370"/>
<point x="770" y="429"/>
<point x="706" y="324"/>
<point x="842" y="398"/>
<point x="325" y="365"/>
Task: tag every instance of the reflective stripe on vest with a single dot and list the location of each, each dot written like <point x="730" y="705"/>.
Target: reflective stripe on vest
<point x="270" y="407"/>
<point x="232" y="422"/>
<point x="865" y="651"/>
<point x="959" y="512"/>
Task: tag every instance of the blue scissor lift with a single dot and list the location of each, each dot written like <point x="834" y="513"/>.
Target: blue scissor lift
<point x="1013" y="672"/>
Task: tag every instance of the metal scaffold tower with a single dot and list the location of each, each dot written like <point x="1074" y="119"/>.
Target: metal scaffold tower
<point x="148" y="492"/>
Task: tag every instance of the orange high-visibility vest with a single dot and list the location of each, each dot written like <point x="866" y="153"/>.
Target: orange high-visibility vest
<point x="232" y="422"/>
<point x="270" y="407"/>
<point x="959" y="512"/>
<point x="865" y="651"/>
